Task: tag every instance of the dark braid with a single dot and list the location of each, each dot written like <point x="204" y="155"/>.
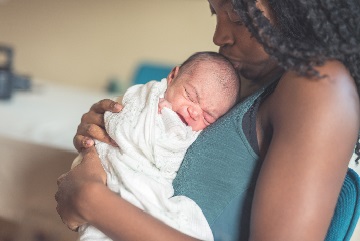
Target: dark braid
<point x="306" y="33"/>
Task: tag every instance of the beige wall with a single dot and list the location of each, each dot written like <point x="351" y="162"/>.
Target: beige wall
<point x="84" y="42"/>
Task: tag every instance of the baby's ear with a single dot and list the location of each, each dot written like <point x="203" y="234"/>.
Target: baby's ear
<point x="172" y="75"/>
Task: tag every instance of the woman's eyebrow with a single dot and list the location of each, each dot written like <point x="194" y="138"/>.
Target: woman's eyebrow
<point x="223" y="2"/>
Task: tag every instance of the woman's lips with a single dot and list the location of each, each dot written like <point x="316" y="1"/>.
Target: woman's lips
<point x="235" y="63"/>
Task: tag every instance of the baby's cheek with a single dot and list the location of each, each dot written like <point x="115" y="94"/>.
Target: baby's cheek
<point x="164" y="103"/>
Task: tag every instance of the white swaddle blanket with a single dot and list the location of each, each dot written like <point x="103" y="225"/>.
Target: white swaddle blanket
<point x="141" y="170"/>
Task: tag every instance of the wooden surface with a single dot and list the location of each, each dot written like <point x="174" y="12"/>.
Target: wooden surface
<point x="28" y="174"/>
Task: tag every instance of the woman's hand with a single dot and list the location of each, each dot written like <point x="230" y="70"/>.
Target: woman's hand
<point x="75" y="189"/>
<point x="92" y="125"/>
<point x="82" y="195"/>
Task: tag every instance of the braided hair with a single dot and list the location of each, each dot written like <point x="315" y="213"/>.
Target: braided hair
<point x="306" y="33"/>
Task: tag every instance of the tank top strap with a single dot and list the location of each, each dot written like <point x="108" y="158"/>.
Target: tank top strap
<point x="260" y="94"/>
<point x="245" y="115"/>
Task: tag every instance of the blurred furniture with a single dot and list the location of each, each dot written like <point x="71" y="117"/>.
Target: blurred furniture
<point x="28" y="176"/>
<point x="147" y="71"/>
<point x="36" y="132"/>
<point x="47" y="115"/>
<point x="9" y="80"/>
<point x="347" y="210"/>
<point x="6" y="54"/>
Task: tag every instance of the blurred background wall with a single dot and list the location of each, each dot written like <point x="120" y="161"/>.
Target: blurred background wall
<point x="85" y="42"/>
<point x="74" y="46"/>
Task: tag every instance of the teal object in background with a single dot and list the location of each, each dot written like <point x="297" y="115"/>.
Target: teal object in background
<point x="347" y="209"/>
<point x="114" y="86"/>
<point x="148" y="71"/>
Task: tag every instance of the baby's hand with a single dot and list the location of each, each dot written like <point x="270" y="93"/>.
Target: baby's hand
<point x="163" y="103"/>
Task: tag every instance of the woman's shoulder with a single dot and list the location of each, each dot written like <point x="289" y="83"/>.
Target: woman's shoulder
<point x="334" y="87"/>
<point x="300" y="101"/>
<point x="313" y="125"/>
<point x="332" y="76"/>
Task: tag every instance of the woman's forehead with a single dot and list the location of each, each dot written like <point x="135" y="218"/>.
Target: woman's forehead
<point x="263" y="5"/>
<point x="219" y="3"/>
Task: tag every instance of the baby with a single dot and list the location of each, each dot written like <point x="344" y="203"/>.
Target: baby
<point x="159" y="121"/>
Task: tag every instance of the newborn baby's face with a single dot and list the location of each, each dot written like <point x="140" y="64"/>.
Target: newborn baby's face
<point x="199" y="100"/>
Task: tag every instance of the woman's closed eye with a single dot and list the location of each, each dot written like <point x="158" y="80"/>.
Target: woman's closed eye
<point x="234" y="16"/>
<point x="231" y="12"/>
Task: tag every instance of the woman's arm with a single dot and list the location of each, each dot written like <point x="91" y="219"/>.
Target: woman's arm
<point x="314" y="125"/>
<point x="92" y="124"/>
<point x="83" y="197"/>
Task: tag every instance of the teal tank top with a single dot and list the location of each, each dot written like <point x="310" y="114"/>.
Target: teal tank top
<point x="220" y="169"/>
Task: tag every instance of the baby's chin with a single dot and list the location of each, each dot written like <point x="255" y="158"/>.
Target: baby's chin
<point x="197" y="128"/>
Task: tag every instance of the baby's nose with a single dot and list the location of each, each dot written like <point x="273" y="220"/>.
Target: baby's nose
<point x="194" y="112"/>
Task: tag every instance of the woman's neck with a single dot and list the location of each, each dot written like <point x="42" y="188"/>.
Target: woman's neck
<point x="248" y="87"/>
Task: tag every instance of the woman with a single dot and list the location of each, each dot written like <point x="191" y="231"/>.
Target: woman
<point x="273" y="167"/>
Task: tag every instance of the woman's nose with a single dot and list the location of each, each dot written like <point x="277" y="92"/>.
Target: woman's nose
<point x="222" y="35"/>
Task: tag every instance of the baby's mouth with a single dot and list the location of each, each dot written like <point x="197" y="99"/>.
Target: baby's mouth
<point x="182" y="119"/>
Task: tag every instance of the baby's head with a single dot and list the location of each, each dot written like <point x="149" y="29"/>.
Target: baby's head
<point x="202" y="89"/>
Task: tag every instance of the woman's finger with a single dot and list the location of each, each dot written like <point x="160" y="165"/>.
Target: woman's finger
<point x="92" y="161"/>
<point x="68" y="215"/>
<point x="73" y="226"/>
<point x="106" y="105"/>
<point x="58" y="181"/>
<point x="82" y="142"/>
<point x="86" y="132"/>
<point x="69" y="196"/>
<point x="92" y="117"/>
